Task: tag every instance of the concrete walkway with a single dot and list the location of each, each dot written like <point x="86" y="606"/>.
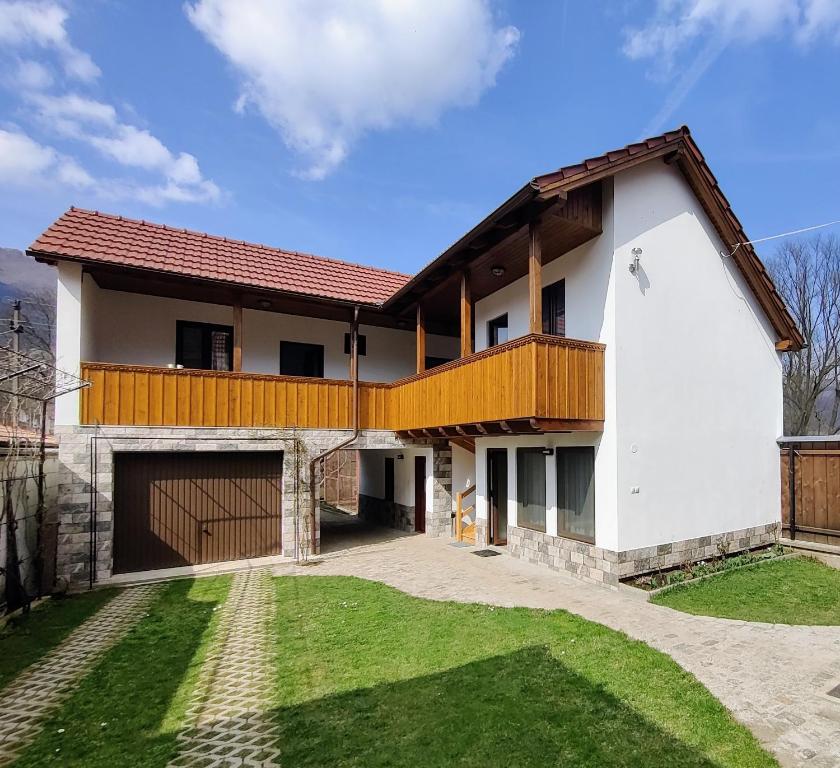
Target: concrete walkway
<point x="774" y="678"/>
<point x="228" y="721"/>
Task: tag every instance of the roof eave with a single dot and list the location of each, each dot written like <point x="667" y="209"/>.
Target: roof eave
<point x="47" y="257"/>
<point x="524" y="195"/>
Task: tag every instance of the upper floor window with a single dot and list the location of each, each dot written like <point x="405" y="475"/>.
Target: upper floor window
<point x="362" y="344"/>
<point x="204" y="346"/>
<point x="554" y="309"/>
<point x="497" y="331"/>
<point x="299" y="359"/>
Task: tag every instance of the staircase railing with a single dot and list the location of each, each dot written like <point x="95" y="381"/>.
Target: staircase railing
<point x="465" y="532"/>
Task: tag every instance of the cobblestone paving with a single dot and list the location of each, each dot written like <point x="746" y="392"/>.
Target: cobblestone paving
<point x="773" y="678"/>
<point x="228" y="722"/>
<point x="40" y="689"/>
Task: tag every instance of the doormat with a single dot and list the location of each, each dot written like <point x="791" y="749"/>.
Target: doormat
<point x="486" y="553"/>
<point x="835" y="692"/>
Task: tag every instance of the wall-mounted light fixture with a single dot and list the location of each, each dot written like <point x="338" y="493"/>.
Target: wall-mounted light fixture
<point x="548" y="451"/>
<point x="400" y="456"/>
<point x="497" y="270"/>
<point x="634" y="265"/>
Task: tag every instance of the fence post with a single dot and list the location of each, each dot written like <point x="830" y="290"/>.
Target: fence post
<point x="792" y="489"/>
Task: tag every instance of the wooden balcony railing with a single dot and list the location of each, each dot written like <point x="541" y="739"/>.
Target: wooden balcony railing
<point x="542" y="378"/>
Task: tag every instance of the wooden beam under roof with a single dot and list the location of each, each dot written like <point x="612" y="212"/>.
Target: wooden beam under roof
<point x="466" y="315"/>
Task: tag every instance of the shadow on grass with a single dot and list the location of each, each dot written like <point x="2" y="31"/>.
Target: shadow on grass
<point x="128" y="709"/>
<point x="29" y="637"/>
<point x="522" y="709"/>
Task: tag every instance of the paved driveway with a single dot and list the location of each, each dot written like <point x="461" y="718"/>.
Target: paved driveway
<point x="774" y="678"/>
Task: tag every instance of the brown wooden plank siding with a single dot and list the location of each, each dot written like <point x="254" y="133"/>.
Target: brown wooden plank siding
<point x="176" y="508"/>
<point x="532" y="377"/>
<point x="817" y="491"/>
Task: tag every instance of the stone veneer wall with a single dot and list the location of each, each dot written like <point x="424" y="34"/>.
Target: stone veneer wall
<point x="604" y="566"/>
<point x="74" y="482"/>
<point x="481" y="532"/>
<point x="439" y="516"/>
<point x="388" y="513"/>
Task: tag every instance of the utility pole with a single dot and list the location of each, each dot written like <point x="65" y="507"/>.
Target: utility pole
<point x="16" y="329"/>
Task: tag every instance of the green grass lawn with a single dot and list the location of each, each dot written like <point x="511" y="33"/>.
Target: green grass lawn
<point x="28" y="637"/>
<point x="127" y="712"/>
<point x="368" y="676"/>
<point x="795" y="591"/>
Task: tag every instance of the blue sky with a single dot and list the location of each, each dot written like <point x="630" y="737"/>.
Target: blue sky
<point x="381" y="136"/>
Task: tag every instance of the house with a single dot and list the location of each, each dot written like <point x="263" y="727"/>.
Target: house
<point x="598" y="357"/>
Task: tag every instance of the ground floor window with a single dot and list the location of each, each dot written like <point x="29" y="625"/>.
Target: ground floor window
<point x="576" y="493"/>
<point x="530" y="488"/>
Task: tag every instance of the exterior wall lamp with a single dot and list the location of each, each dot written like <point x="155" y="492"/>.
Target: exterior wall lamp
<point x="634" y="265"/>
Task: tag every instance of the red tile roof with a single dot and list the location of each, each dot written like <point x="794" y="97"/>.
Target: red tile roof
<point x="91" y="236"/>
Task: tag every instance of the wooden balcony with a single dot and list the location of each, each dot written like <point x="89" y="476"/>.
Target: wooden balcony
<point x="532" y="384"/>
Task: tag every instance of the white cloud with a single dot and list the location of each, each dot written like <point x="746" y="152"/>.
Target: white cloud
<point x="24" y="22"/>
<point x="323" y="74"/>
<point x="25" y="162"/>
<point x="98" y="125"/>
<point x="678" y="27"/>
<point x="32" y="76"/>
<point x="676" y="24"/>
<point x="819" y="17"/>
<point x="76" y="117"/>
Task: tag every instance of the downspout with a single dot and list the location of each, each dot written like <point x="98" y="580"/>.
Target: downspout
<point x="354" y="354"/>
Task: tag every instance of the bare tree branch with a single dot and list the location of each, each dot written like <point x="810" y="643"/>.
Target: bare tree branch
<point x="807" y="275"/>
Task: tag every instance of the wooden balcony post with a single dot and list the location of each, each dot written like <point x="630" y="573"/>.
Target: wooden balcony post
<point x="237" y="336"/>
<point x="534" y="277"/>
<point x="466" y="315"/>
<point x="421" y="339"/>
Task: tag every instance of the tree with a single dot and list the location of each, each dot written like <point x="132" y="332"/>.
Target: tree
<point x="807" y="275"/>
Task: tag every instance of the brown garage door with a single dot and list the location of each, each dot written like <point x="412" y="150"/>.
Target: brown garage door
<point x="173" y="509"/>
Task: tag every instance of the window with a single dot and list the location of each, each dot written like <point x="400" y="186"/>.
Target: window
<point x="576" y="493"/>
<point x="434" y="362"/>
<point x="204" y="346"/>
<point x="362" y="344"/>
<point x="530" y="488"/>
<point x="297" y="359"/>
<point x="497" y="331"/>
<point x="554" y="309"/>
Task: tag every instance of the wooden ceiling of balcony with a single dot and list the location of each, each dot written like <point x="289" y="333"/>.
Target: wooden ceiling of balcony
<point x="564" y="226"/>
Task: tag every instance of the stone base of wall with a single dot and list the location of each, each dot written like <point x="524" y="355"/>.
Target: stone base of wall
<point x="481" y="532"/>
<point x="603" y="566"/>
<point x="387" y="513"/>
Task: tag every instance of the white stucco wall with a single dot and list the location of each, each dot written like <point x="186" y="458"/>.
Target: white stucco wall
<point x="699" y="383"/>
<point x="693" y="382"/>
<point x="590" y="275"/>
<point x="463" y="473"/>
<point x="372" y="474"/>
<point x="604" y="471"/>
<point x="69" y="336"/>
<point x="136" y="329"/>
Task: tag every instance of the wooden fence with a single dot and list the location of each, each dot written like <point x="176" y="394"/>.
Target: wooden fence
<point x="811" y="491"/>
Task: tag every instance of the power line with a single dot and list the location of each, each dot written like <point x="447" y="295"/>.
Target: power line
<point x="784" y="234"/>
